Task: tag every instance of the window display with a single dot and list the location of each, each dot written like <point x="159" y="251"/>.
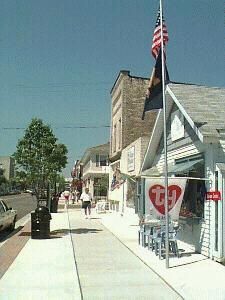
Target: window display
<point x="194" y="197"/>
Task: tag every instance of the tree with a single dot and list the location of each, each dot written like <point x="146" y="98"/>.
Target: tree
<point x="21" y="179"/>
<point x="39" y="157"/>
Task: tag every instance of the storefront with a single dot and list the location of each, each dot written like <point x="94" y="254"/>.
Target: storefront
<point x="192" y="211"/>
<point x="196" y="152"/>
<point x="122" y="178"/>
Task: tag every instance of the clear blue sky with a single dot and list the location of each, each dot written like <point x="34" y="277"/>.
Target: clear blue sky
<point x="59" y="60"/>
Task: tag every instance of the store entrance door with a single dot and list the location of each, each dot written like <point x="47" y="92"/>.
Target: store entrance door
<point x="223" y="214"/>
<point x="220" y="211"/>
<point x="223" y="226"/>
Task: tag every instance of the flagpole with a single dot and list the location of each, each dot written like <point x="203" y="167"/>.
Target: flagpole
<point x="165" y="141"/>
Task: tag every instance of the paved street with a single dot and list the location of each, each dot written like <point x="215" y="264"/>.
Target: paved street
<point x="24" y="203"/>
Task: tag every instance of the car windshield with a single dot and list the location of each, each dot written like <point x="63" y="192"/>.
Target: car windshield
<point x="4" y="204"/>
<point x="1" y="208"/>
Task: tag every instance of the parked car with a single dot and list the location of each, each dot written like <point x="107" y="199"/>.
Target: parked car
<point x="7" y="216"/>
<point x="32" y="192"/>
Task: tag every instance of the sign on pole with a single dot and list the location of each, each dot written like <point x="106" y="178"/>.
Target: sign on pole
<point x="155" y="197"/>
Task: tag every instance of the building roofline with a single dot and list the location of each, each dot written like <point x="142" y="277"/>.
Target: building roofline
<point x="195" y="84"/>
<point x="125" y="72"/>
<point x="93" y="149"/>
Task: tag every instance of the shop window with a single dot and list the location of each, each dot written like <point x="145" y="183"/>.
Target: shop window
<point x="193" y="201"/>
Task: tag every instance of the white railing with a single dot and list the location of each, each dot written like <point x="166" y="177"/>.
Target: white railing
<point x="93" y="169"/>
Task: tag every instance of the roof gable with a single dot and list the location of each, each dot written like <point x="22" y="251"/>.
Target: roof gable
<point x="201" y="107"/>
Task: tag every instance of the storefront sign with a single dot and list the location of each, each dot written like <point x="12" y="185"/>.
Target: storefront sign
<point x="131" y="159"/>
<point x="214" y="196"/>
<point x="155" y="197"/>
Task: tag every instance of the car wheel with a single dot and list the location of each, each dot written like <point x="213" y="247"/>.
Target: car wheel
<point x="12" y="226"/>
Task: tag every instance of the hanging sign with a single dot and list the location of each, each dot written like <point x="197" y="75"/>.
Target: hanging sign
<point x="155" y="197"/>
<point x="214" y="196"/>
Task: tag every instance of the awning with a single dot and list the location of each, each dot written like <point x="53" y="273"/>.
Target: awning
<point x="221" y="166"/>
<point x="178" y="168"/>
<point x="184" y="167"/>
<point x="126" y="176"/>
<point x="151" y="172"/>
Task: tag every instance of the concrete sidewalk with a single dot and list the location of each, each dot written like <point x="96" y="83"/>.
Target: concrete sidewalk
<point x="44" y="269"/>
<point x="101" y="259"/>
<point x="109" y="270"/>
<point x="81" y="260"/>
<point x="193" y="276"/>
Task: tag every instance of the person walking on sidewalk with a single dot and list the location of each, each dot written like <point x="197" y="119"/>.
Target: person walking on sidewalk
<point x="72" y="197"/>
<point x="66" y="195"/>
<point x="86" y="198"/>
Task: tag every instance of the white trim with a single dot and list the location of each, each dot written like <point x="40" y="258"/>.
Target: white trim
<point x="158" y="120"/>
<point x="155" y="138"/>
<point x="115" y="162"/>
<point x="192" y="124"/>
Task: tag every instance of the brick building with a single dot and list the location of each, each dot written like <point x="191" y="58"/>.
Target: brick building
<point x="129" y="135"/>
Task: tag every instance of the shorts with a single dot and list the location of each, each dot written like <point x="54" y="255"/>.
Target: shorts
<point x="86" y="204"/>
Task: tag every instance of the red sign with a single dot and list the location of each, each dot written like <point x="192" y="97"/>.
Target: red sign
<point x="157" y="196"/>
<point x="214" y="196"/>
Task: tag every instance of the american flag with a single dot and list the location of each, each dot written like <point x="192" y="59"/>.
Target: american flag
<point x="156" y="43"/>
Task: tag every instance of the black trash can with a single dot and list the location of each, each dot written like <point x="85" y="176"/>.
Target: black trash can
<point x="40" y="223"/>
<point x="54" y="204"/>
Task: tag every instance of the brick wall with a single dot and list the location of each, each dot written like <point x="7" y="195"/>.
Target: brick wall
<point x="130" y="91"/>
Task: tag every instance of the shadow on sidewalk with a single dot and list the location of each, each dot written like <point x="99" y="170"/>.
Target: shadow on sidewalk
<point x="77" y="231"/>
<point x="59" y="233"/>
<point x="52" y="236"/>
<point x="4" y="235"/>
<point x="189" y="263"/>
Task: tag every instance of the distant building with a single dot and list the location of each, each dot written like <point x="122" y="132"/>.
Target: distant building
<point x="95" y="169"/>
<point x="68" y="183"/>
<point x="7" y="164"/>
<point x="77" y="173"/>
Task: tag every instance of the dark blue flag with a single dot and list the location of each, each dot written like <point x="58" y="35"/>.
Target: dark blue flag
<point x="154" y="97"/>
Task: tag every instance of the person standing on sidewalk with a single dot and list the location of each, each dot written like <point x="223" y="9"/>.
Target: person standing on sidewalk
<point x="86" y="198"/>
